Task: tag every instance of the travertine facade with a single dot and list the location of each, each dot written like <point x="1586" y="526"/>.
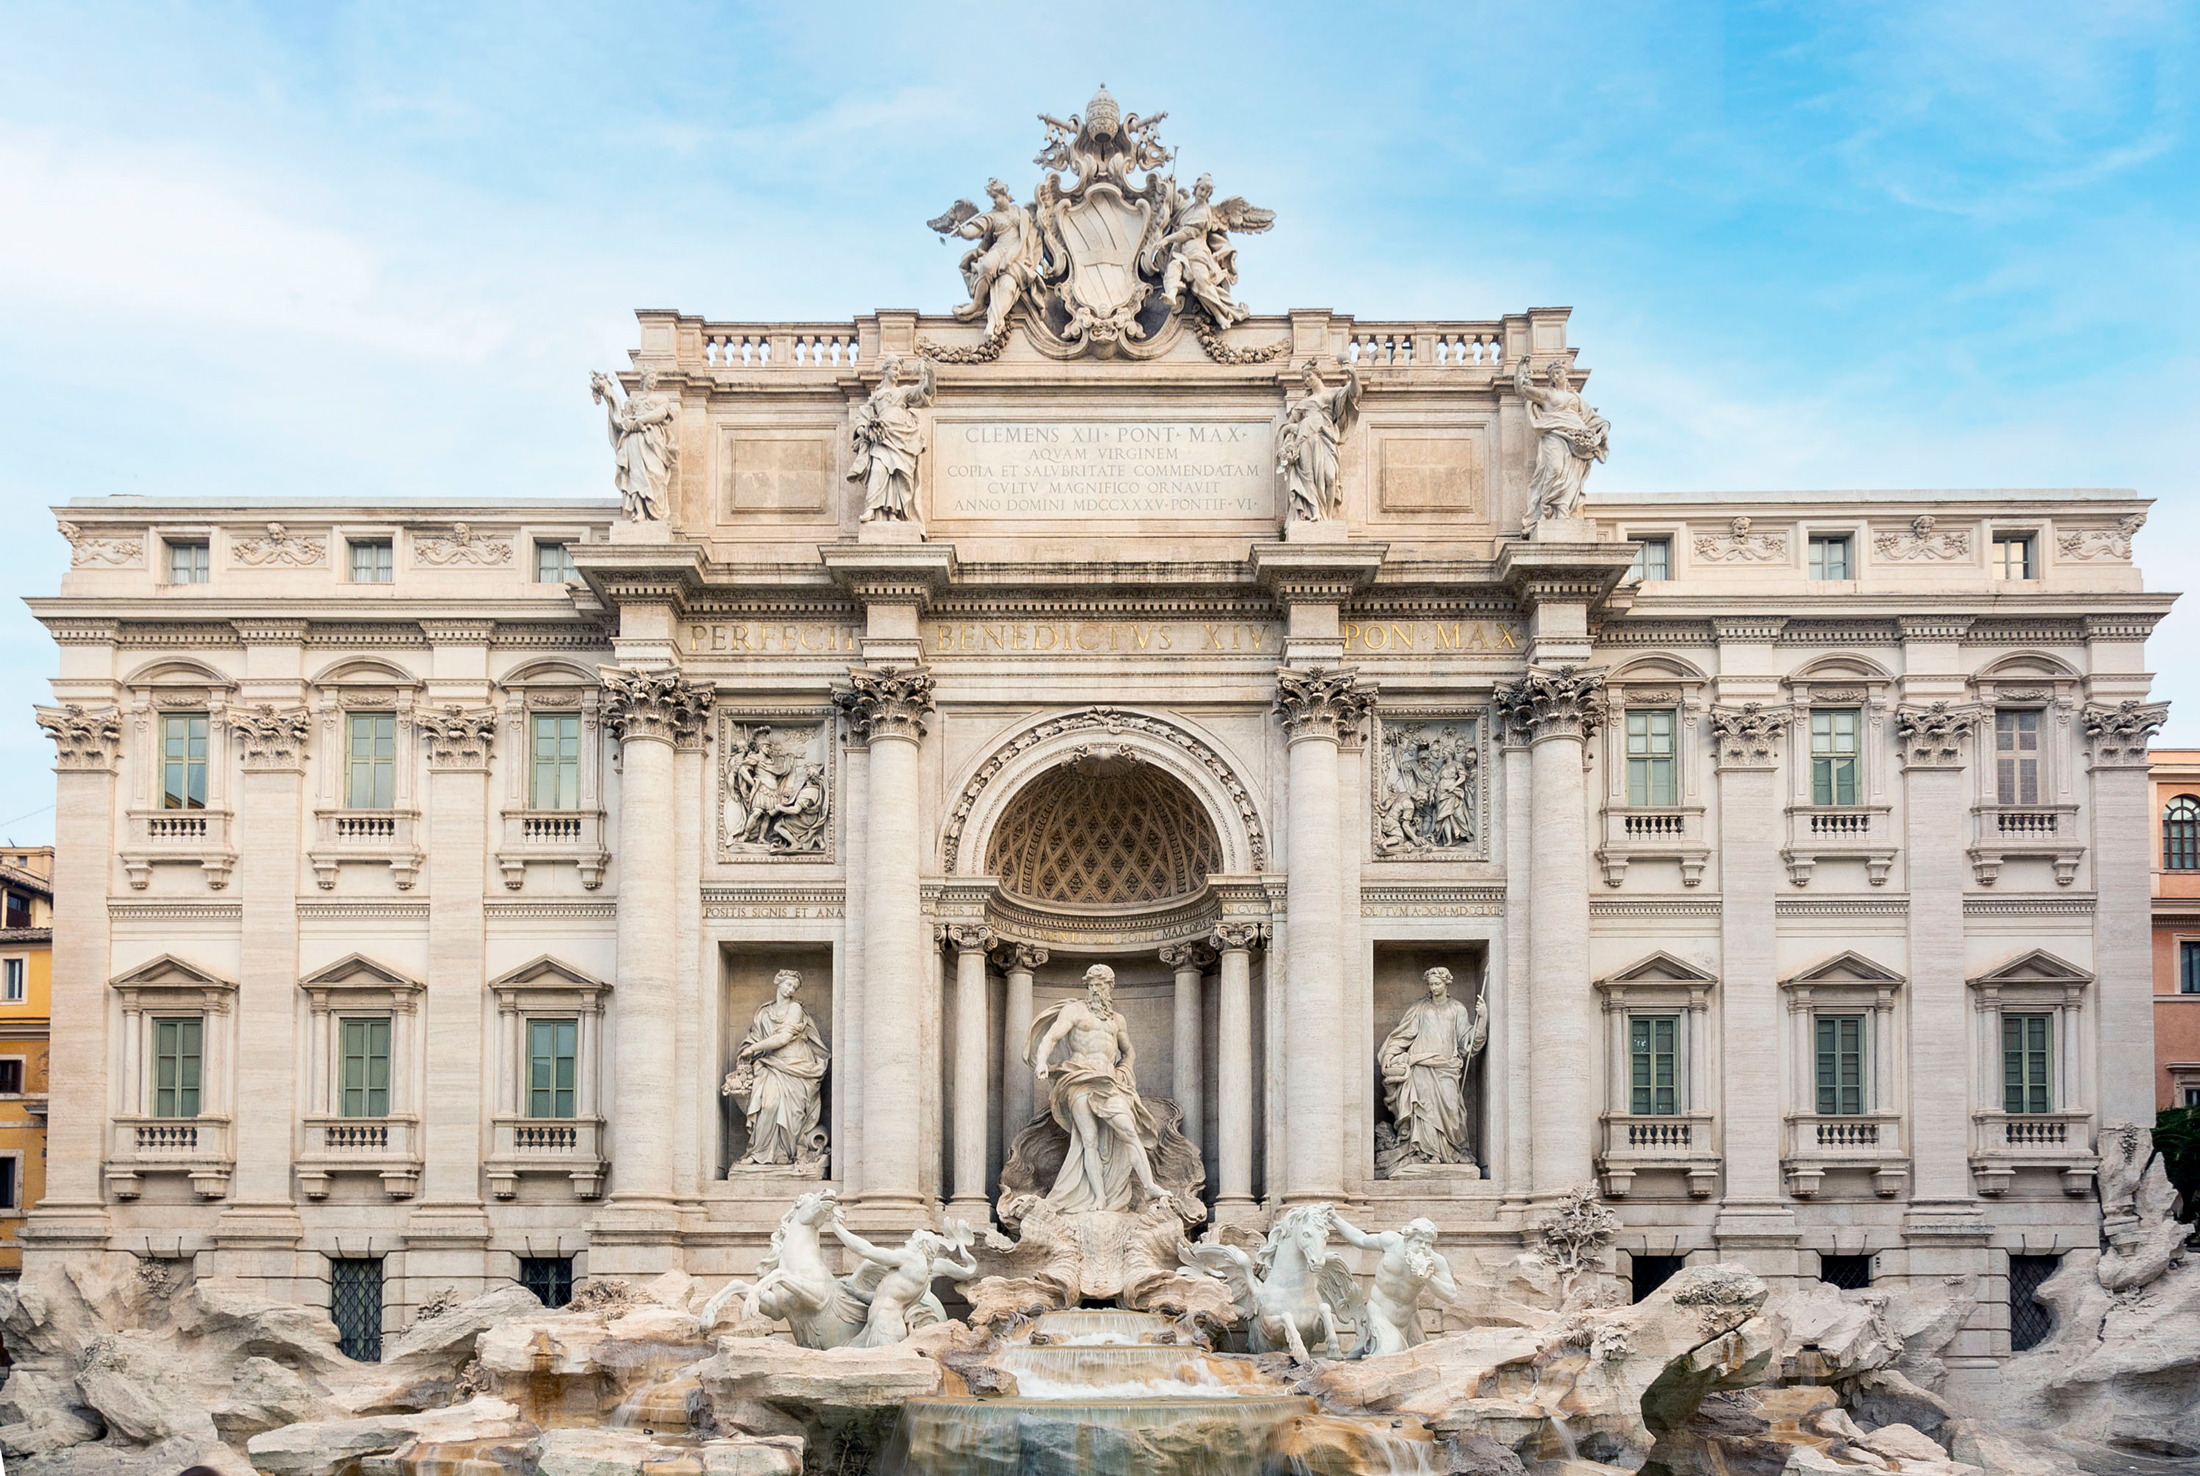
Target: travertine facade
<point x="1752" y="855"/>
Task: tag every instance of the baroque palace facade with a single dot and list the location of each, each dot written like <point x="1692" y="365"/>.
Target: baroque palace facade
<point x="430" y="872"/>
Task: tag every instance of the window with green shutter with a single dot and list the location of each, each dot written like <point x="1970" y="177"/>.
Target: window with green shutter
<point x="556" y="784"/>
<point x="552" y="1057"/>
<point x="177" y="1057"/>
<point x="365" y="1089"/>
<point x="1653" y="1065"/>
<point x="1833" y="751"/>
<point x="1650" y="776"/>
<point x="370" y="760"/>
<point x="2024" y="1064"/>
<point x="1841" y="1063"/>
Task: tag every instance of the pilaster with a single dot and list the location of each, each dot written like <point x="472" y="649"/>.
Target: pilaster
<point x="2116" y="740"/>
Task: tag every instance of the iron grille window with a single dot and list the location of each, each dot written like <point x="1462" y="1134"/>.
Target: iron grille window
<point x="1653" y="1065"/>
<point x="1650" y="778"/>
<point x="2181" y="834"/>
<point x="183" y="760"/>
<point x="355" y="1305"/>
<point x="1849" y="1273"/>
<point x="2029" y="1322"/>
<point x="550" y="1278"/>
<point x="2017" y="757"/>
<point x="1651" y="1272"/>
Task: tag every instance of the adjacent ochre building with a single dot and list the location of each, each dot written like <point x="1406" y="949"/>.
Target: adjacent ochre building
<point x="26" y="976"/>
<point x="423" y="863"/>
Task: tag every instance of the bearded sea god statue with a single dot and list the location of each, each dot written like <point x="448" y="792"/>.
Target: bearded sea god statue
<point x="645" y="440"/>
<point x="778" y="1073"/>
<point x="1095" y="1100"/>
<point x="1424" y="1064"/>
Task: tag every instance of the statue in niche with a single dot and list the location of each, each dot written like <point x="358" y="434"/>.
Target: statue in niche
<point x="1005" y="263"/>
<point x="1306" y="449"/>
<point x="1426" y="787"/>
<point x="887" y="439"/>
<point x="1410" y="1267"/>
<point x="1424" y="1063"/>
<point x="778" y="800"/>
<point x="1095" y="1100"/>
<point x="900" y="1277"/>
<point x="645" y="441"/>
<point x="1200" y="259"/>
<point x="1569" y="436"/>
<point x="777" y="1076"/>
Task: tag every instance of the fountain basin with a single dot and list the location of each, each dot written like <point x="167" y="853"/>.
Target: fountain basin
<point x="1053" y="1437"/>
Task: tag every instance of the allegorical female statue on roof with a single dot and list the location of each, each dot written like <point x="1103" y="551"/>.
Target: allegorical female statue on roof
<point x="1306" y="447"/>
<point x="645" y="438"/>
<point x="1569" y="436"/>
<point x="887" y="439"/>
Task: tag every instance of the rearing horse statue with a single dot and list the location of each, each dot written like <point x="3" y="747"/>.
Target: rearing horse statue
<point x="794" y="1283"/>
<point x="1293" y="1291"/>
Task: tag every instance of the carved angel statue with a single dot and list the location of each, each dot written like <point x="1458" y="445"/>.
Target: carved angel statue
<point x="1197" y="253"/>
<point x="778" y="1074"/>
<point x="1306" y="449"/>
<point x="888" y="439"/>
<point x="1569" y="436"/>
<point x="645" y="441"/>
<point x="1410" y="1267"/>
<point x="1004" y="265"/>
<point x="1424" y="1062"/>
<point x="1293" y="1291"/>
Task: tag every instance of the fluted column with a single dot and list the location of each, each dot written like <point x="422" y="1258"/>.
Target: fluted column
<point x="1319" y="708"/>
<point x="1018" y="1105"/>
<point x="968" y="1191"/>
<point x="887" y="707"/>
<point x="1557" y="708"/>
<point x="649" y="711"/>
<point x="1234" y="1066"/>
<point x="1187" y="1080"/>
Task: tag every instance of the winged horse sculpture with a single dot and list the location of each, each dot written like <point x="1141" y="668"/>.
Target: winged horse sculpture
<point x="1291" y="1293"/>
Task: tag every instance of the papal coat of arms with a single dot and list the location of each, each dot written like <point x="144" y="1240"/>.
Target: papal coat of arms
<point x="1100" y="265"/>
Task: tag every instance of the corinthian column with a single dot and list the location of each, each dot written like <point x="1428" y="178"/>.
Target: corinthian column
<point x="1557" y="709"/>
<point x="969" y="1188"/>
<point x="886" y="707"/>
<point x="1319" y="709"/>
<point x="1018" y="1106"/>
<point x="1186" y="1078"/>
<point x="1234" y="1070"/>
<point x="649" y="711"/>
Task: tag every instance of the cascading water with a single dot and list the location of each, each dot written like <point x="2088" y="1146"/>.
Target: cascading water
<point x="1114" y="1392"/>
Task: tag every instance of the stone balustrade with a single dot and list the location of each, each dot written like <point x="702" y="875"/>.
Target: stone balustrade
<point x="389" y="1146"/>
<point x="200" y="1147"/>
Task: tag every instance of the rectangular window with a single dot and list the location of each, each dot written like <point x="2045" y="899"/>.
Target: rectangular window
<point x="2029" y="1321"/>
<point x="1650" y="776"/>
<point x="554" y="564"/>
<point x="370" y="760"/>
<point x="2024" y="1056"/>
<point x="2012" y="556"/>
<point x="2188" y="967"/>
<point x="177" y="1055"/>
<point x="183" y="760"/>
<point x="1833" y="750"/>
<point x="1653" y="560"/>
<point x="365" y="1078"/>
<point x="1829" y="557"/>
<point x="2017" y="757"/>
<point x="1849" y="1273"/>
<point x="16" y="910"/>
<point x="1653" y="1069"/>
<point x="17" y="977"/>
<point x="552" y="1056"/>
<point x="550" y="1278"/>
<point x="1840" y="1064"/>
<point x="187" y="562"/>
<point x="2192" y="1096"/>
<point x="8" y="1192"/>
<point x="11" y="1077"/>
<point x="1648" y="1273"/>
<point x="556" y="784"/>
<point x="371" y="561"/>
<point x="355" y="1306"/>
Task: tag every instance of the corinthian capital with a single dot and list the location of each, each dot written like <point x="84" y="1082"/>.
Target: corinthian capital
<point x="1932" y="735"/>
<point x="1322" y="702"/>
<point x="458" y="737"/>
<point x="885" y="701"/>
<point x="1748" y="736"/>
<point x="660" y="704"/>
<point x="272" y="737"/>
<point x="1019" y="958"/>
<point x="1552" y="702"/>
<point x="2118" y="735"/>
<point x="964" y="937"/>
<point x="84" y="738"/>
<point x="1238" y="937"/>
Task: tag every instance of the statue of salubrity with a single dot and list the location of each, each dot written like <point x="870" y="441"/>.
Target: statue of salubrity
<point x="778" y="1077"/>
<point x="1569" y="436"/>
<point x="1424" y="1063"/>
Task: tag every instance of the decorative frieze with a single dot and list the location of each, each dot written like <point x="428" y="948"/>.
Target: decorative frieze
<point x="272" y="738"/>
<point x="1560" y="702"/>
<point x="1408" y="901"/>
<point x="779" y="903"/>
<point x="1919" y="542"/>
<point x="278" y="546"/>
<point x="2118" y="736"/>
<point x="462" y="545"/>
<point x="1748" y="736"/>
<point x="2101" y="543"/>
<point x="885" y="702"/>
<point x="1931" y="737"/>
<point x="660" y="704"/>
<point x="113" y="549"/>
<point x="1740" y="546"/>
<point x="458" y="737"/>
<point x="84" y="738"/>
<point x="1322" y="702"/>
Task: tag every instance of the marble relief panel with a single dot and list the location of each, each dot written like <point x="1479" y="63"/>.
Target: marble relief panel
<point x="1429" y="802"/>
<point x="776" y="784"/>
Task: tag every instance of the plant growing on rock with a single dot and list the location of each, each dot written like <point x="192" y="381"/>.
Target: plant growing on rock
<point x="1574" y="1237"/>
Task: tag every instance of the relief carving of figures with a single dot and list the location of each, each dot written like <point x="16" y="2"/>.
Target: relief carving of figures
<point x="777" y="789"/>
<point x="1569" y="436"/>
<point x="2102" y="543"/>
<point x="1739" y="546"/>
<point x="1003" y="268"/>
<point x="887" y="438"/>
<point x="1427" y="783"/>
<point x="1199" y="257"/>
<point x="462" y="545"/>
<point x="1306" y="448"/>
<point x="778" y="1079"/>
<point x="645" y="439"/>
<point x="1921" y="542"/>
<point x="92" y="548"/>
<point x="1424" y="1062"/>
<point x="280" y="546"/>
<point x="1411" y="1267"/>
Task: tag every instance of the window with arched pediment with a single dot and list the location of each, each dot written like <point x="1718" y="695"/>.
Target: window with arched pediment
<point x="2181" y="834"/>
<point x="1102" y="833"/>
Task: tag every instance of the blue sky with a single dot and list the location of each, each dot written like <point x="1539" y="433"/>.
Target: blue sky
<point x="371" y="250"/>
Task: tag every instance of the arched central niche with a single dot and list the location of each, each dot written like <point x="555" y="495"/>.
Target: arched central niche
<point x="1104" y="832"/>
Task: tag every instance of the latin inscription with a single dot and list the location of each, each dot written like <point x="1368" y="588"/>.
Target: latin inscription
<point x="1064" y="471"/>
<point x="1102" y="638"/>
<point x="778" y="639"/>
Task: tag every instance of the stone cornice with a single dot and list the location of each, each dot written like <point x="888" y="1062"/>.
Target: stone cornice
<point x="661" y="705"/>
<point x="458" y="632"/>
<point x="85" y="739"/>
<point x="885" y="702"/>
<point x="272" y="738"/>
<point x="1543" y="573"/>
<point x="1322" y="702"/>
<point x="271" y="631"/>
<point x="2118" y="736"/>
<point x="1316" y="573"/>
<point x="1933" y="627"/>
<point x="1552" y="702"/>
<point x="1749" y="627"/>
<point x="891" y="573"/>
<point x="458" y="737"/>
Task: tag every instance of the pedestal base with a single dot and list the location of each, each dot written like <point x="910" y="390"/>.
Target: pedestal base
<point x="889" y="530"/>
<point x="1328" y="530"/>
<point x="764" y="1175"/>
<point x="1439" y="1172"/>
<point x="635" y="530"/>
